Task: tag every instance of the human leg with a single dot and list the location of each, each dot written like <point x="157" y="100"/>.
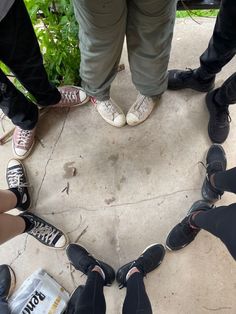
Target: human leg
<point x="101" y="35"/>
<point x="219" y="221"/>
<point x="131" y="276"/>
<point x="149" y="35"/>
<point x="90" y="298"/>
<point x="7" y="284"/>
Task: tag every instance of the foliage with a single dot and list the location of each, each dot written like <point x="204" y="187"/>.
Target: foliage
<point x="57" y="30"/>
<point x="196" y="13"/>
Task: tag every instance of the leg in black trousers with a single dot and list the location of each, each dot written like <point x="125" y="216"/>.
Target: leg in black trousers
<point x="136" y="301"/>
<point x="88" y="299"/>
<point x="19" y="50"/>
<point x="225" y="180"/>
<point x="221" y="222"/>
<point x="222" y="46"/>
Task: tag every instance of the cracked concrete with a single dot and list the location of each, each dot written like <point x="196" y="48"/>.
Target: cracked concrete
<point x="132" y="185"/>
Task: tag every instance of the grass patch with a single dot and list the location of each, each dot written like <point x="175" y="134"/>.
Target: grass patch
<point x="201" y="13"/>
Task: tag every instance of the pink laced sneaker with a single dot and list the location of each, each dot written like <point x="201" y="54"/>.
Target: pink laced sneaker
<point x="71" y="96"/>
<point x="22" y="142"/>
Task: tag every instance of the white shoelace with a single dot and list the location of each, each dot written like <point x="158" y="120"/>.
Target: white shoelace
<point x="69" y="97"/>
<point x="45" y="233"/>
<point x="16" y="178"/>
<point x="24" y="137"/>
<point x="142" y="105"/>
<point x="108" y="106"/>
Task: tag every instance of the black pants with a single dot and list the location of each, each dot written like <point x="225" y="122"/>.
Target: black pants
<point x="19" y="50"/>
<point x="221" y="49"/>
<point x="221" y="221"/>
<point x="89" y="299"/>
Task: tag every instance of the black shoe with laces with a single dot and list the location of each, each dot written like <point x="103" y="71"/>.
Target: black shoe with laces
<point x="44" y="232"/>
<point x="81" y="259"/>
<point x="183" y="234"/>
<point x="219" y="122"/>
<point x="7" y="282"/>
<point x="17" y="179"/>
<point x="149" y="260"/>
<point x="215" y="161"/>
<point x="178" y="79"/>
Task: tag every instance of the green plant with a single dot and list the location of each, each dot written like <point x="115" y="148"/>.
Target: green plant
<point x="57" y="33"/>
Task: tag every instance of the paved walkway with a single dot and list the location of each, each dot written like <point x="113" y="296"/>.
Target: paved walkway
<point x="132" y="185"/>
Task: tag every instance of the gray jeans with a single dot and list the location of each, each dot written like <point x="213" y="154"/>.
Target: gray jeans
<point x="103" y="24"/>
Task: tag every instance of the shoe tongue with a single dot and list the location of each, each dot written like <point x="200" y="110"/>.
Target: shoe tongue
<point x="214" y="167"/>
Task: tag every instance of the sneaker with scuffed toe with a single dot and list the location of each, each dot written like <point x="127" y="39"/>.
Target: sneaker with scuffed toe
<point x="22" y="142"/>
<point x="189" y="78"/>
<point x="109" y="111"/>
<point x="7" y="282"/>
<point x="149" y="260"/>
<point x="83" y="261"/>
<point x="17" y="179"/>
<point x="215" y="161"/>
<point x="71" y="96"/>
<point x="44" y="232"/>
<point x="141" y="109"/>
<point x="219" y="122"/>
<point x="183" y="234"/>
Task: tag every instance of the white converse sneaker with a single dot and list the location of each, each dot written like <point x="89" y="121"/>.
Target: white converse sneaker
<point x="110" y="112"/>
<point x="141" y="109"/>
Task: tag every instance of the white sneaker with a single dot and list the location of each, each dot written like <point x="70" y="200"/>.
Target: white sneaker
<point x="110" y="112"/>
<point x="141" y="109"/>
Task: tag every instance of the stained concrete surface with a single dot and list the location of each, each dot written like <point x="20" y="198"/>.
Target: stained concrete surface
<point x="132" y="185"/>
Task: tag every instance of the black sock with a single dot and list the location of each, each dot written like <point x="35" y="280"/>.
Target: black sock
<point x="204" y="75"/>
<point x="28" y="224"/>
<point x="17" y="194"/>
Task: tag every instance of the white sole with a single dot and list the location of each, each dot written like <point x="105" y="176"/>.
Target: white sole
<point x="13" y="281"/>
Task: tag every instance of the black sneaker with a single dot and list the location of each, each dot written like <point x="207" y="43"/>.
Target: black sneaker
<point x="178" y="79"/>
<point x="219" y="122"/>
<point x="17" y="179"/>
<point x="44" y="232"/>
<point x="183" y="234"/>
<point x="81" y="259"/>
<point x="216" y="161"/>
<point x="7" y="282"/>
<point x="149" y="260"/>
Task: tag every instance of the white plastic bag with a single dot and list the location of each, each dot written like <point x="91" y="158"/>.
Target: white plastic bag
<point x="39" y="294"/>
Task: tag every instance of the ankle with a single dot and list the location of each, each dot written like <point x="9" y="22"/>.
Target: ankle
<point x="99" y="270"/>
<point x="18" y="196"/>
<point x="191" y="219"/>
<point x="132" y="271"/>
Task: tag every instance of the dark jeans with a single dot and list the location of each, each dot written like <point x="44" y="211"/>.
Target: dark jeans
<point x="4" y="308"/>
<point x="221" y="49"/>
<point x="221" y="221"/>
<point x="89" y="299"/>
<point x="19" y="50"/>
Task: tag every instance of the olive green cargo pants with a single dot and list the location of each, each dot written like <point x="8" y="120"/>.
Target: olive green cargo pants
<point x="103" y="24"/>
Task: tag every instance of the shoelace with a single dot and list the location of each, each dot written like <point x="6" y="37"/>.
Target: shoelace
<point x="109" y="108"/>
<point x="16" y="178"/>
<point x="186" y="74"/>
<point x="44" y="232"/>
<point x="223" y="116"/>
<point x="68" y="97"/>
<point x="141" y="105"/>
<point x="24" y="137"/>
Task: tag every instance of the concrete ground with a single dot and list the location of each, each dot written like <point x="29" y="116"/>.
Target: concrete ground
<point x="132" y="186"/>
